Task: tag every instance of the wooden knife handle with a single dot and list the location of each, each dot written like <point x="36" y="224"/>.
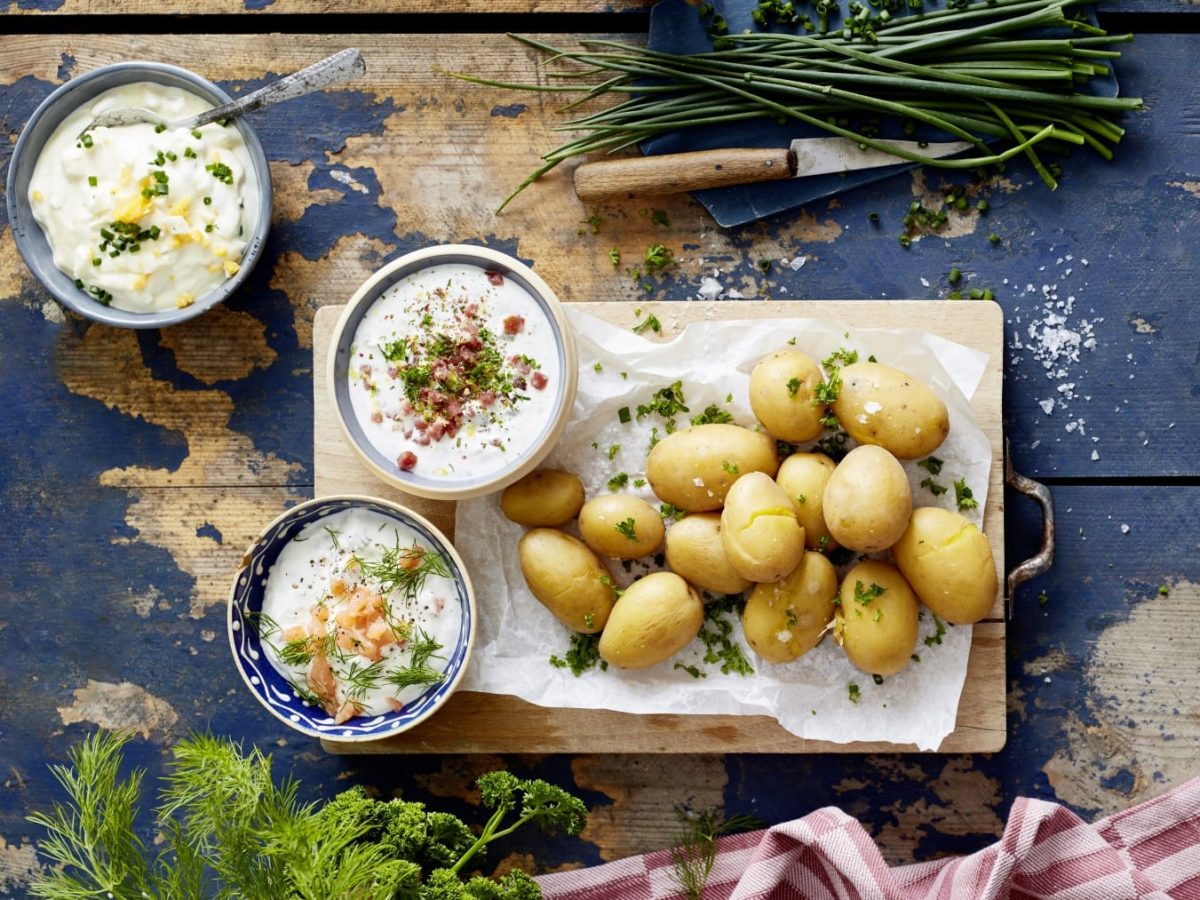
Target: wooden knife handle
<point x="674" y="173"/>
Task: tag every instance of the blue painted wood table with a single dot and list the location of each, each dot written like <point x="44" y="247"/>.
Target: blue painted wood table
<point x="136" y="467"/>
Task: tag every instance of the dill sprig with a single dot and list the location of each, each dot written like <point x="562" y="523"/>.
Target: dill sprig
<point x="418" y="671"/>
<point x="403" y="569"/>
<point x="696" y="846"/>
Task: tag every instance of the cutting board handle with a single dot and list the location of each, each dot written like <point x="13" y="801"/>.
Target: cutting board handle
<point x="675" y="173"/>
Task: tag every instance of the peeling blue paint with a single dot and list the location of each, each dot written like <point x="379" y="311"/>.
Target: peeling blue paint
<point x="209" y="530"/>
<point x="36" y="5"/>
<point x="67" y="67"/>
<point x="509" y="112"/>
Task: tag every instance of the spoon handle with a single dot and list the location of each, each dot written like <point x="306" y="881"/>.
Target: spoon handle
<point x="332" y="70"/>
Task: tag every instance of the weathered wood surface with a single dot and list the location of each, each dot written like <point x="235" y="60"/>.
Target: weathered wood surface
<point x="490" y="723"/>
<point x="211" y="8"/>
<point x="134" y="468"/>
<point x="315" y="7"/>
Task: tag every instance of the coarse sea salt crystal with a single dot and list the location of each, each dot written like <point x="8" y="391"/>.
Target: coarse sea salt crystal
<point x="1124" y="528"/>
<point x="797" y="263"/>
<point x="710" y="288"/>
<point x="1095" y="455"/>
<point x="1047" y="406"/>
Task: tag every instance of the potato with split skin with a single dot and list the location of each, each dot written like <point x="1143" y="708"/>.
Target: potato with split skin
<point x="547" y="497"/>
<point x="879" y="405"/>
<point x="867" y="500"/>
<point x="693" y="469"/>
<point x="948" y="562"/>
<point x="696" y="552"/>
<point x="567" y="578"/>
<point x="783" y="395"/>
<point x="762" y="538"/>
<point x="803" y="477"/>
<point x="653" y="620"/>
<point x="876" y="618"/>
<point x="784" y="620"/>
<point x="621" y="526"/>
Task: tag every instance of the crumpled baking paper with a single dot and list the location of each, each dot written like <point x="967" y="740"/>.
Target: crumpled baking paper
<point x="810" y="697"/>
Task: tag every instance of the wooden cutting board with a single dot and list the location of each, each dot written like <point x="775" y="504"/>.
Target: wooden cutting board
<point x="491" y="723"/>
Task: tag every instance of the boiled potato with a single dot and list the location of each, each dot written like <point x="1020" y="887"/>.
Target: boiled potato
<point x="782" y="395"/>
<point x="884" y="406"/>
<point x="694" y="468"/>
<point x="652" y="621"/>
<point x="784" y="620"/>
<point x="567" y="578"/>
<point x="867" y="500"/>
<point x="948" y="562"/>
<point x="876" y="619"/>
<point x="759" y="530"/>
<point x="547" y="497"/>
<point x="695" y="551"/>
<point x="803" y="477"/>
<point x="621" y="526"/>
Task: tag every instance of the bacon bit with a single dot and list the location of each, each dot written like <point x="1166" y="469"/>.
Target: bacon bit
<point x="496" y="278"/>
<point x="487" y="398"/>
<point x="420" y="424"/>
<point x="377" y="417"/>
<point x="519" y="383"/>
<point x="407" y="461"/>
<point x="437" y="430"/>
<point x="393" y="372"/>
<point x="514" y="324"/>
<point x="365" y="370"/>
<point x="538" y="380"/>
<point x="421" y="439"/>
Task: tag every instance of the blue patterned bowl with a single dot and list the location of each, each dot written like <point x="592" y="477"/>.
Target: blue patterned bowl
<point x="272" y="689"/>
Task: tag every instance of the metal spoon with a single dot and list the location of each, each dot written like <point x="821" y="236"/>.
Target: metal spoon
<point x="330" y="71"/>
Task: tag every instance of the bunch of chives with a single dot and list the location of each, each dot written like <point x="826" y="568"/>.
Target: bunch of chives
<point x="983" y="72"/>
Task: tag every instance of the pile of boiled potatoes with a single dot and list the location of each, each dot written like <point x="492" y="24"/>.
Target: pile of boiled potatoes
<point x="754" y="524"/>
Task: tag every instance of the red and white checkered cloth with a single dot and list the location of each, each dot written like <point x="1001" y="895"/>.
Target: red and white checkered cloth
<point x="1151" y="851"/>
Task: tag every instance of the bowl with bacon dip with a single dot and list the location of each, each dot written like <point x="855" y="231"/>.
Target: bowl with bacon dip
<point x="453" y="371"/>
<point x="139" y="225"/>
<point x="351" y="618"/>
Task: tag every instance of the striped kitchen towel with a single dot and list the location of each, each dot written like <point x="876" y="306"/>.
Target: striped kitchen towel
<point x="1150" y="851"/>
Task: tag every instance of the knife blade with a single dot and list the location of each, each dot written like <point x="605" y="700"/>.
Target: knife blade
<point x="673" y="173"/>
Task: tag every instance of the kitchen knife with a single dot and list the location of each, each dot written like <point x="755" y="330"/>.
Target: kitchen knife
<point x="674" y="173"/>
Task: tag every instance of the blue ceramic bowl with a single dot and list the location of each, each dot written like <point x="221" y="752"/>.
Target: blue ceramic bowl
<point x="272" y="689"/>
<point x="31" y="240"/>
<point x="465" y="484"/>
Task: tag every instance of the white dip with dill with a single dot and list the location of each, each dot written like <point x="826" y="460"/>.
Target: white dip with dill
<point x="143" y="217"/>
<point x="360" y="614"/>
<point x="454" y="372"/>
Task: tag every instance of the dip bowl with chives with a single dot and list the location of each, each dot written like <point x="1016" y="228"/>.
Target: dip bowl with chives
<point x="31" y="240"/>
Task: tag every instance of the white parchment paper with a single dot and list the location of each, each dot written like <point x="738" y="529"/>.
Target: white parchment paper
<point x="810" y="697"/>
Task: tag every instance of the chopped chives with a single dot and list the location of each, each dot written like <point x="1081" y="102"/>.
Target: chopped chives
<point x="196" y="134"/>
<point x="208" y="201"/>
<point x="159" y="129"/>
<point x="86" y="140"/>
<point x="96" y="260"/>
<point x="92" y="181"/>
<point x="955" y="275"/>
<point x="189" y="152"/>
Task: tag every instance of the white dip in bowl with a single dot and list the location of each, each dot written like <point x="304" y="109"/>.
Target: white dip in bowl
<point x="454" y="369"/>
<point x="142" y="217"/>
<point x="360" y="614"/>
